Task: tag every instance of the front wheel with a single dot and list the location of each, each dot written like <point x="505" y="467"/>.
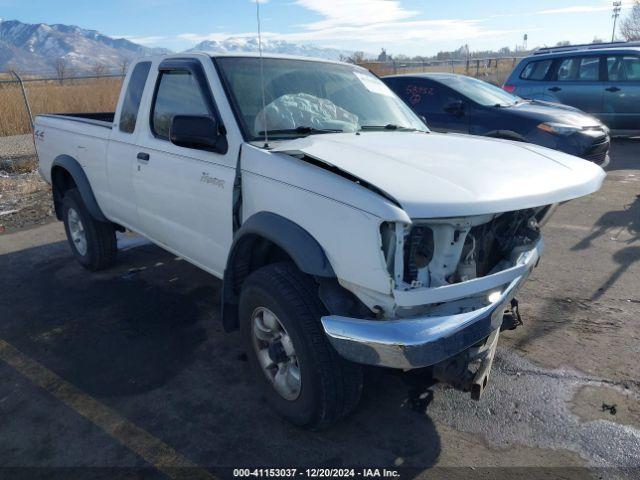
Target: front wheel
<point x="301" y="375"/>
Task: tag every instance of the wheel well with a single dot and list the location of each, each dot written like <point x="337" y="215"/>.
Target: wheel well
<point x="252" y="253"/>
<point x="61" y="182"/>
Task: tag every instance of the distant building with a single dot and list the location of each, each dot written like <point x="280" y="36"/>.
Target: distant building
<point x="383" y="57"/>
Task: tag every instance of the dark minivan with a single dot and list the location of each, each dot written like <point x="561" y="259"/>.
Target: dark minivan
<point x="457" y="103"/>
<point x="600" y="79"/>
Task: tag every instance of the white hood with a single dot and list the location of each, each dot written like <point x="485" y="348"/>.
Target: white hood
<point x="446" y="175"/>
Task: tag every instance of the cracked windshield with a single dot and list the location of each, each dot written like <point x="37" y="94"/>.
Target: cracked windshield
<point x="306" y="97"/>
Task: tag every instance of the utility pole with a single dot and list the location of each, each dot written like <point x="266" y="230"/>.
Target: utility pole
<point x="617" y="6"/>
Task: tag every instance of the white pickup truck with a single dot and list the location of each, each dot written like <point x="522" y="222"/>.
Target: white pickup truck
<point x="344" y="231"/>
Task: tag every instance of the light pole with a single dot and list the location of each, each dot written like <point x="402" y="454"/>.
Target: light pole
<point x="617" y="6"/>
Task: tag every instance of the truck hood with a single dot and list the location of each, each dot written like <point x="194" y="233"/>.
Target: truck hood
<point x="434" y="175"/>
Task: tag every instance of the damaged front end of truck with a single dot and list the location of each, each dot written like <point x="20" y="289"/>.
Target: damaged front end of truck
<point x="469" y="238"/>
<point x="455" y="281"/>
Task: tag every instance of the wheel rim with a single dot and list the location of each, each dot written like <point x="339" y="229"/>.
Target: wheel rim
<point x="275" y="352"/>
<point x="76" y="230"/>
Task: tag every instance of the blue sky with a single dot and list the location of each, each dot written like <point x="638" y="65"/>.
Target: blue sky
<point x="401" y="26"/>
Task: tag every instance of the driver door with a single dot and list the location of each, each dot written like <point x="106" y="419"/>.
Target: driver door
<point x="184" y="195"/>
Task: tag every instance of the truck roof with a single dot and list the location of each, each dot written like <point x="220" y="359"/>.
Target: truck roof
<point x="250" y="55"/>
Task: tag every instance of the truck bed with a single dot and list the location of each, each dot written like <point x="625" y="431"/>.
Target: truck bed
<point x="82" y="136"/>
<point x="102" y="119"/>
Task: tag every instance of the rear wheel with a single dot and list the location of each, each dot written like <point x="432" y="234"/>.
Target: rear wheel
<point x="93" y="243"/>
<point x="301" y="375"/>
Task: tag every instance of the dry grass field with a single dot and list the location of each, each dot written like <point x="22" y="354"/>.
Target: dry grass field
<point x="80" y="96"/>
<point x="101" y="95"/>
<point x="491" y="71"/>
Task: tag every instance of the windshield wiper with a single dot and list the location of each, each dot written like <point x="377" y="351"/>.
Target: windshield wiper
<point x="302" y="130"/>
<point x="389" y="126"/>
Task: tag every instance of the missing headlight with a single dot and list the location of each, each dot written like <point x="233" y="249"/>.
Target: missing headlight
<point x="418" y="253"/>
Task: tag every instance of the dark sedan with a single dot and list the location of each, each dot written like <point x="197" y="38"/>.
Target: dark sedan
<point x="456" y="103"/>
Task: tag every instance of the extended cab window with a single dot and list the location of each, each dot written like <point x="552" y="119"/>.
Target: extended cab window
<point x="131" y="102"/>
<point x="623" y="68"/>
<point x="579" y="69"/>
<point x="536" y="70"/>
<point x="178" y="93"/>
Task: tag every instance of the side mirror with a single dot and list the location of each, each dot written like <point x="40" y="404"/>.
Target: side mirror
<point x="456" y="107"/>
<point x="424" y="119"/>
<point x="196" y="131"/>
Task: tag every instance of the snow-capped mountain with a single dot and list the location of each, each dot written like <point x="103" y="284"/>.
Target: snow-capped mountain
<point x="250" y="44"/>
<point x="38" y="47"/>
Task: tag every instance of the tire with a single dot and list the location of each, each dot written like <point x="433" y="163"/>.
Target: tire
<point x="99" y="248"/>
<point x="330" y="386"/>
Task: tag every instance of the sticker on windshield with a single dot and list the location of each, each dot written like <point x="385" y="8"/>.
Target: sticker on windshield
<point x="373" y="84"/>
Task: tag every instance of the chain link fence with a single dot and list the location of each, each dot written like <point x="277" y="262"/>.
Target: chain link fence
<point x="81" y="94"/>
<point x="492" y="70"/>
<point x="99" y="93"/>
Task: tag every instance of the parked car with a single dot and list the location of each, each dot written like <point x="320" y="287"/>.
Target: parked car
<point x="344" y="232"/>
<point x="600" y="79"/>
<point x="457" y="103"/>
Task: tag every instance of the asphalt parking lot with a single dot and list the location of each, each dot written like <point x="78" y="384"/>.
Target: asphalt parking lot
<point x="130" y="369"/>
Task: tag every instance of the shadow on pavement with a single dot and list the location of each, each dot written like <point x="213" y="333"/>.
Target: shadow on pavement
<point x="612" y="224"/>
<point x="624" y="258"/>
<point x="145" y="339"/>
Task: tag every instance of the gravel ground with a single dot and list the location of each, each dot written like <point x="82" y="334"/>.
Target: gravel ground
<point x="25" y="199"/>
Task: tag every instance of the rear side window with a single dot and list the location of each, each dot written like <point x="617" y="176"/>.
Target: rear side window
<point x="178" y="94"/>
<point x="424" y="97"/>
<point x="536" y="70"/>
<point x="578" y="69"/>
<point x="623" y="68"/>
<point x="133" y="96"/>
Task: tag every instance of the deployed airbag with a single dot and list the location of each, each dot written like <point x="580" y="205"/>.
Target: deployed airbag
<point x="291" y="111"/>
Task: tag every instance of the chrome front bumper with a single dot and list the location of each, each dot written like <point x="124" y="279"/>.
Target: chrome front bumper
<point x="423" y="340"/>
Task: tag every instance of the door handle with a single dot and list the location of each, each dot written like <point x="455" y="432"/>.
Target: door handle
<point x="555" y="89"/>
<point x="143" y="156"/>
<point x="612" y="89"/>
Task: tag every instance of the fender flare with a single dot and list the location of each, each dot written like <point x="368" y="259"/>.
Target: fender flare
<point x="76" y="171"/>
<point x="304" y="250"/>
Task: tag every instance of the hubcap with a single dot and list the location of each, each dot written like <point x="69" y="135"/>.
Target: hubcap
<point x="275" y="353"/>
<point x="76" y="230"/>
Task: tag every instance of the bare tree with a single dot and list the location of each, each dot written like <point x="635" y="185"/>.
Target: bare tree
<point x="61" y="69"/>
<point x="99" y="69"/>
<point x="124" y="65"/>
<point x="355" y="58"/>
<point x="630" y="25"/>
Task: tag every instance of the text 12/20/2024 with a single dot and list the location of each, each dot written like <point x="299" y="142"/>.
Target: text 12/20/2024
<point x="315" y="472"/>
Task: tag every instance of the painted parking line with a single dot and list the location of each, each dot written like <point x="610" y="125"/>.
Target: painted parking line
<point x="154" y="451"/>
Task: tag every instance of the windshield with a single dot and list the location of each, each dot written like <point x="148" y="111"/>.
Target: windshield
<point x="482" y="92"/>
<point x="305" y="97"/>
